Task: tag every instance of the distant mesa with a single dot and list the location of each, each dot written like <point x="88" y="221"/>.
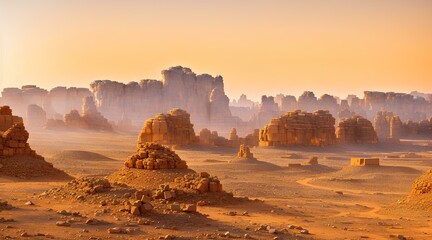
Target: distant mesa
<point x="202" y="96"/>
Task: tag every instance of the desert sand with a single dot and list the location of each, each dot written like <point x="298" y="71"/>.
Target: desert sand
<point x="329" y="200"/>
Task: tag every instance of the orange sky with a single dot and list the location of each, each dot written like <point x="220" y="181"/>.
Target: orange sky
<point x="259" y="47"/>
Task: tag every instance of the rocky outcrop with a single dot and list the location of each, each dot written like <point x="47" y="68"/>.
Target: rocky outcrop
<point x="152" y="156"/>
<point x="299" y="128"/>
<point x="7" y="120"/>
<point x="202" y="182"/>
<point x="90" y="118"/>
<point x="212" y="138"/>
<point x="58" y="100"/>
<point x="345" y="114"/>
<point x="13" y="135"/>
<point x="396" y="128"/>
<point x="244" y="152"/>
<point x="267" y="110"/>
<point x="382" y="124"/>
<point x="202" y="96"/>
<point x="356" y="130"/>
<point x="173" y="128"/>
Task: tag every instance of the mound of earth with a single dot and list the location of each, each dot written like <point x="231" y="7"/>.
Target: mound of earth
<point x="149" y="179"/>
<point x="80" y="155"/>
<point x="28" y="167"/>
<point x="253" y="164"/>
<point x="152" y="156"/>
<point x="421" y="193"/>
<point x="423" y="184"/>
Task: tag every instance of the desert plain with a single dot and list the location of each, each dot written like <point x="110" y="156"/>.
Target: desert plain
<point x="329" y="200"/>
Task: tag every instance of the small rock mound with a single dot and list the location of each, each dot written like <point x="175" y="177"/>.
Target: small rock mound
<point x="152" y="156"/>
<point x="89" y="185"/>
<point x="423" y="184"/>
<point x="27" y="167"/>
<point x="202" y="182"/>
<point x="421" y="194"/>
<point x="147" y="179"/>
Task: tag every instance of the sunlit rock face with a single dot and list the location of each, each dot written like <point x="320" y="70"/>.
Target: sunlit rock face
<point x="299" y="128"/>
<point x="13" y="135"/>
<point x="356" y="130"/>
<point x="203" y="96"/>
<point x="173" y="128"/>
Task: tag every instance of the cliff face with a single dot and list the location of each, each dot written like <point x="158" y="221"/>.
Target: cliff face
<point x="58" y="100"/>
<point x="202" y="96"/>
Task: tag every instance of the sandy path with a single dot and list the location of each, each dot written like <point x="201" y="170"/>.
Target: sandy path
<point x="306" y="182"/>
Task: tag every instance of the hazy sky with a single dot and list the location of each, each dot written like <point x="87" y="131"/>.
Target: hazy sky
<point x="259" y="47"/>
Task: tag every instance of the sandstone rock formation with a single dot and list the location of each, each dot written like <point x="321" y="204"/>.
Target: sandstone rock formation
<point x="244" y="152"/>
<point x="7" y="120"/>
<point x="173" y="128"/>
<point x="58" y="100"/>
<point x="152" y="156"/>
<point x="396" y="128"/>
<point x="90" y="118"/>
<point x="382" y="124"/>
<point x="299" y="128"/>
<point x="36" y="116"/>
<point x="345" y="114"/>
<point x="13" y="136"/>
<point x="212" y="138"/>
<point x="268" y="110"/>
<point x="203" y="96"/>
<point x="356" y="130"/>
<point x="201" y="182"/>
